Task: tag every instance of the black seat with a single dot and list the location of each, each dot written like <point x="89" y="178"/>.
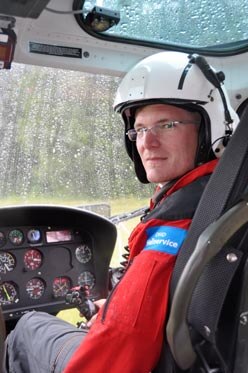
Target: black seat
<point x="207" y="326"/>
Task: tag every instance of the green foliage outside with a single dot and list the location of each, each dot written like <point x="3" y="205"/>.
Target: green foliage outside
<point x="61" y="140"/>
<point x="61" y="143"/>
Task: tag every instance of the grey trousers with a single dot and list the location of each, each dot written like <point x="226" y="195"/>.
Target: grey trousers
<point x="41" y="343"/>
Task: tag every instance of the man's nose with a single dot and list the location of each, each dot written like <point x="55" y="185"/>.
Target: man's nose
<point x="150" y="138"/>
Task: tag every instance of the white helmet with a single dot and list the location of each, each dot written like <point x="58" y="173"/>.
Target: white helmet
<point x="182" y="80"/>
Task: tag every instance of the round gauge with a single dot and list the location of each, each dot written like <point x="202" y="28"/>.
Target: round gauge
<point x="32" y="259"/>
<point x="2" y="239"/>
<point x="8" y="293"/>
<point x="35" y="288"/>
<point x="87" y="278"/>
<point x="83" y="253"/>
<point x="34" y="235"/>
<point x="7" y="262"/>
<point x="61" y="285"/>
<point x="16" y="237"/>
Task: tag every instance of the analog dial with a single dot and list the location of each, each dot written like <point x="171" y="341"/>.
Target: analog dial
<point x="7" y="262"/>
<point x="35" y="288"/>
<point x="34" y="235"/>
<point x="2" y="239"/>
<point x="61" y="285"/>
<point x="83" y="254"/>
<point x="8" y="293"/>
<point x="32" y="259"/>
<point x="16" y="237"/>
<point x="87" y="278"/>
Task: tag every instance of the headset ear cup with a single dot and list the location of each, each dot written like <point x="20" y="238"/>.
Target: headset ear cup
<point x="138" y="166"/>
<point x="204" y="151"/>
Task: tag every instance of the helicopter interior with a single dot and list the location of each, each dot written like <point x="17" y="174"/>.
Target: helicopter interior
<point x="45" y="250"/>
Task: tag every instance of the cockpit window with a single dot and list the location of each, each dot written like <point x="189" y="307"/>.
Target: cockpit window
<point x="212" y="26"/>
<point x="61" y="141"/>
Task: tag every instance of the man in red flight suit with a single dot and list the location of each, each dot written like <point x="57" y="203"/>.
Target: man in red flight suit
<point x="176" y="127"/>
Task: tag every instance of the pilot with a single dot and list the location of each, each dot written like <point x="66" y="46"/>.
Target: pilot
<point x="178" y="121"/>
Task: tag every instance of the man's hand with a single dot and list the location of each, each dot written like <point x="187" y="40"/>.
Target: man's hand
<point x="98" y="303"/>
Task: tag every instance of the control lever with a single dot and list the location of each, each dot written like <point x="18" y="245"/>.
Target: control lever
<point x="79" y="296"/>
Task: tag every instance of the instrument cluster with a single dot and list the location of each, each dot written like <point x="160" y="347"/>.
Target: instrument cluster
<point x="39" y="264"/>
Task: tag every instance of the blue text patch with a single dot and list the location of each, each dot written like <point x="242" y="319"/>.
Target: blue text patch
<point x="165" y="239"/>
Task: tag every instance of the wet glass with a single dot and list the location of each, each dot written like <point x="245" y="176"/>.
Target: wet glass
<point x="213" y="25"/>
<point x="62" y="143"/>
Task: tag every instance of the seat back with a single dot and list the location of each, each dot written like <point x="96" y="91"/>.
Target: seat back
<point x="209" y="306"/>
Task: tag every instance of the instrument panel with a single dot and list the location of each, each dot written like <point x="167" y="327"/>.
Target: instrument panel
<point x="40" y="262"/>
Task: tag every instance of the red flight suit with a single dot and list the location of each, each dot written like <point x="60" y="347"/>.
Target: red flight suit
<point x="129" y="330"/>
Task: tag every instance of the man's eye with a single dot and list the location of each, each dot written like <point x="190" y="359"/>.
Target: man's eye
<point x="140" y="130"/>
<point x="167" y="125"/>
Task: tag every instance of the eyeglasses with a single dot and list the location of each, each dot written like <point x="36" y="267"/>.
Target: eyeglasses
<point x="158" y="130"/>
